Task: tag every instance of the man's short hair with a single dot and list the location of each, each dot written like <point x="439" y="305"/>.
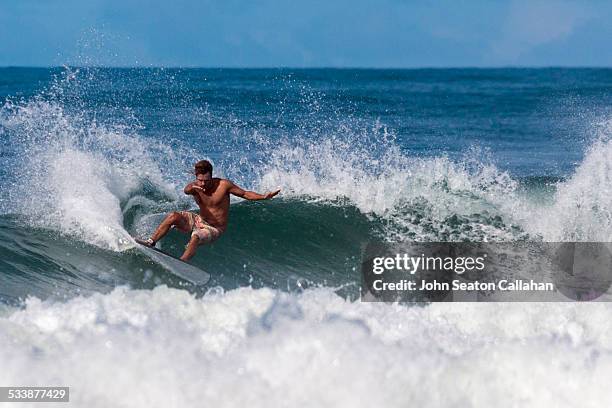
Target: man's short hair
<point x="203" y="167"/>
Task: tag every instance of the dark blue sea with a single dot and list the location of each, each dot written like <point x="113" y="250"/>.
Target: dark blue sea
<point x="93" y="156"/>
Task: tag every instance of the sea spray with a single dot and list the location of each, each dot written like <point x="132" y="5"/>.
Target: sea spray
<point x="72" y="172"/>
<point x="582" y="208"/>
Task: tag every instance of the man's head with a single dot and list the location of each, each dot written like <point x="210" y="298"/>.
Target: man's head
<point x="203" y="173"/>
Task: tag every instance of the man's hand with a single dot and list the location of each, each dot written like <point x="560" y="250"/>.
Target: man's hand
<point x="269" y="195"/>
<point x="192" y="188"/>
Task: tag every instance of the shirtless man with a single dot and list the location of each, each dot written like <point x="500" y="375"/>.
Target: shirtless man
<point x="213" y="197"/>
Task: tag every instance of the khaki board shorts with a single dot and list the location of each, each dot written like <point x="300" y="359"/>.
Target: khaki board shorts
<point x="205" y="232"/>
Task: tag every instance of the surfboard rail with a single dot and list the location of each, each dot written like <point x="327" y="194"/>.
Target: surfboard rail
<point x="176" y="266"/>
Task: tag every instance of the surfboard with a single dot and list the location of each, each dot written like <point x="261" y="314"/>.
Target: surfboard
<point x="174" y="265"/>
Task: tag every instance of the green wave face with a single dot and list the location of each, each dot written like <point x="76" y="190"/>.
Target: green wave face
<point x="276" y="244"/>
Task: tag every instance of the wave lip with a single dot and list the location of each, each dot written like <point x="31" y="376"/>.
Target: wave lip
<point x="72" y="175"/>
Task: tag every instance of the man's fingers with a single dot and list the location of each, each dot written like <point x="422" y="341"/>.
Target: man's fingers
<point x="272" y="194"/>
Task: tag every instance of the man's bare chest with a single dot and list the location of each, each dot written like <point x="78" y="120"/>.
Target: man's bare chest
<point x="213" y="200"/>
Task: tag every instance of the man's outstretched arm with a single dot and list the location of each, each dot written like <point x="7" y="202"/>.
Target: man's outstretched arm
<point x="250" y="195"/>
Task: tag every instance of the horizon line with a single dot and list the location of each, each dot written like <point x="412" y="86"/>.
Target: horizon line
<point x="287" y="67"/>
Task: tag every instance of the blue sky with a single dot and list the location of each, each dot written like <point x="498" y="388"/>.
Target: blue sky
<point x="296" y="33"/>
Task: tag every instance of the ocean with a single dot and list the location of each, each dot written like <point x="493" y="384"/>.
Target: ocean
<point x="92" y="156"/>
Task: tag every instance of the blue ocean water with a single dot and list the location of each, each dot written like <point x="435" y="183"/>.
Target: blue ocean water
<point x="534" y="121"/>
<point x="92" y="156"/>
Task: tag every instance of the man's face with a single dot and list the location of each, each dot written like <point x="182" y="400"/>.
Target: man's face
<point x="204" y="180"/>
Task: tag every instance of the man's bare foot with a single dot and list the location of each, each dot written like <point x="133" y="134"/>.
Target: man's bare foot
<point x="147" y="242"/>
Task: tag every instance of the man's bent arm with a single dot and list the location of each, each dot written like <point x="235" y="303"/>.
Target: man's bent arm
<point x="250" y="195"/>
<point x="189" y="189"/>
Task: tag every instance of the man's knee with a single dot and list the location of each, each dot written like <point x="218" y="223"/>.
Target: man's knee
<point x="173" y="218"/>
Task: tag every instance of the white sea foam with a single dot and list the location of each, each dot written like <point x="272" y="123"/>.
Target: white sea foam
<point x="582" y="209"/>
<point x="250" y="347"/>
<point x="418" y="195"/>
<point x="74" y="173"/>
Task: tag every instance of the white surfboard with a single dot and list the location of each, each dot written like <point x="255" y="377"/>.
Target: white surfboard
<point x="174" y="265"/>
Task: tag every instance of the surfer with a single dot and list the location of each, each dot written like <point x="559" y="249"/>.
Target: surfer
<point x="213" y="197"/>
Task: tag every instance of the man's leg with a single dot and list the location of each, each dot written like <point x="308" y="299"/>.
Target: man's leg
<point x="174" y="218"/>
<point x="192" y="246"/>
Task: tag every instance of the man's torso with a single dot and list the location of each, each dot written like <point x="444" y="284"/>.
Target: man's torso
<point x="214" y="203"/>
